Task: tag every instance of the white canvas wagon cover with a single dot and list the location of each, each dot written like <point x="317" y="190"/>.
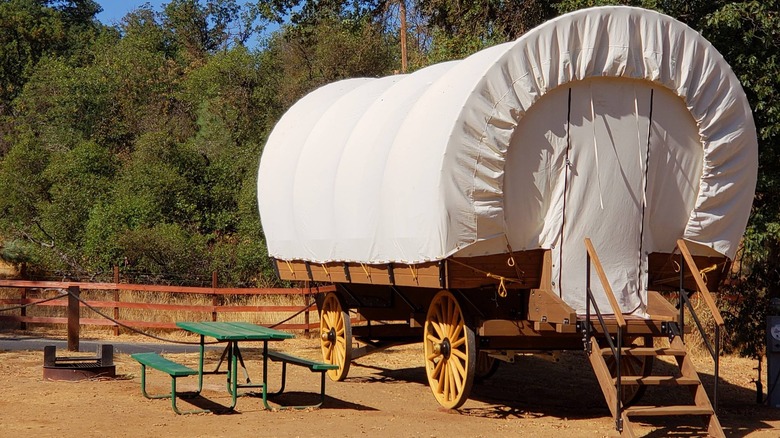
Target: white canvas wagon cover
<point x="614" y="123"/>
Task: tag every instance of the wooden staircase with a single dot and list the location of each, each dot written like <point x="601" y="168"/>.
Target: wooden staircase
<point x="687" y="377"/>
<point x="632" y="365"/>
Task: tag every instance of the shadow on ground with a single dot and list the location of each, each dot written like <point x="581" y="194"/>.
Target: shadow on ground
<point x="534" y="387"/>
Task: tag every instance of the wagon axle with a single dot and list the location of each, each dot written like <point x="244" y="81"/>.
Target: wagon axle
<point x="329" y="336"/>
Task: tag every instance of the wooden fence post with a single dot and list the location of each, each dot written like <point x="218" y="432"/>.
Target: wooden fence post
<point x="73" y="318"/>
<point x="22" y="324"/>
<point x="214" y="301"/>
<point x="116" y="300"/>
<point x="306" y="297"/>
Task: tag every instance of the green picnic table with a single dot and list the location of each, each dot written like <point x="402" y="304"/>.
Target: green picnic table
<point x="232" y="333"/>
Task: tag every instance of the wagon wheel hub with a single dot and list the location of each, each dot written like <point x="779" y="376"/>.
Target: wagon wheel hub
<point x="329" y="336"/>
<point x="443" y="348"/>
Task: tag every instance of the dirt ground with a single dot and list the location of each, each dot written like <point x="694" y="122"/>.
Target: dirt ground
<point x="386" y="394"/>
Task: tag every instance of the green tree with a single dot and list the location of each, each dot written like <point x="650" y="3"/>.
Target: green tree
<point x="32" y="29"/>
<point x="747" y="34"/>
<point x="462" y="28"/>
<point x="310" y="56"/>
<point x="77" y="180"/>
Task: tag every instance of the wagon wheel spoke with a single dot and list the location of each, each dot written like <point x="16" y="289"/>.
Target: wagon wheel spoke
<point x="460" y="354"/>
<point x="457" y="344"/>
<point x="335" y="336"/>
<point x="449" y="351"/>
<point x="438" y="330"/>
<point x="456" y="332"/>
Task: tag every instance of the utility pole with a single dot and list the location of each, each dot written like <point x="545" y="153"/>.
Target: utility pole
<point x="402" y="13"/>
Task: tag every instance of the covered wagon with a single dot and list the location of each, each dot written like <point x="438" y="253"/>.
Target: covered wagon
<point x="538" y="195"/>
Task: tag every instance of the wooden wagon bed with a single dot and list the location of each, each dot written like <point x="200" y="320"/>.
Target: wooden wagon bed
<point x="530" y="271"/>
<point x="508" y="302"/>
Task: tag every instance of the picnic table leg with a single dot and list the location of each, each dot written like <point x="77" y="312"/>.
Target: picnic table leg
<point x="200" y="363"/>
<point x="233" y="372"/>
<point x="143" y="383"/>
<point x="229" y="352"/>
<point x="284" y="380"/>
<point x="222" y="358"/>
<point x="265" y="376"/>
<point x="243" y="366"/>
<point x="322" y="389"/>
<point x="172" y="395"/>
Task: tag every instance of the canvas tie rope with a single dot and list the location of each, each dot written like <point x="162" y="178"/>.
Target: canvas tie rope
<point x="511" y="260"/>
<point x="414" y="272"/>
<point x="502" y="281"/>
<point x="703" y="272"/>
<point x="325" y="268"/>
<point x="365" y="270"/>
<point x="289" y="266"/>
<point x="502" y="292"/>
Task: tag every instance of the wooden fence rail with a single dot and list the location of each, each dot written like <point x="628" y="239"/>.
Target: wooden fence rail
<point x="224" y="301"/>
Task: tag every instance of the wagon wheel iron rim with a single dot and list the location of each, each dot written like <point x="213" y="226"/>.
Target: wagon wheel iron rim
<point x="633" y="366"/>
<point x="450" y="352"/>
<point x="335" y="336"/>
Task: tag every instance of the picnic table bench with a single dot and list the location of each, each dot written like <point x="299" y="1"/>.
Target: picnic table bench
<point x="313" y="366"/>
<point x="173" y="369"/>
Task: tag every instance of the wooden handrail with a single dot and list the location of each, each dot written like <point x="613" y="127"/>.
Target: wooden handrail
<point x="621" y="322"/>
<point x="705" y="292"/>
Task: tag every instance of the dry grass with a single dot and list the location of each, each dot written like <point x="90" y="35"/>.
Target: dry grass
<point x="694" y="340"/>
<point x="125" y="314"/>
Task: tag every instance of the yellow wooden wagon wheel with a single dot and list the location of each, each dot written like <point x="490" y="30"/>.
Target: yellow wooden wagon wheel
<point x="450" y="351"/>
<point x="335" y="336"/>
<point x="633" y="366"/>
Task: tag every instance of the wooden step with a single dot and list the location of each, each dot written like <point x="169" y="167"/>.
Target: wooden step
<point x="646" y="351"/>
<point x="659" y="380"/>
<point x="660" y="411"/>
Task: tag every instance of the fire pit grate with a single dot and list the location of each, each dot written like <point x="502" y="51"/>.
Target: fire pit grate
<point x="78" y="367"/>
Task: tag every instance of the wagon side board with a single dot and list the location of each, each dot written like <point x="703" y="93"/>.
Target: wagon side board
<point x="427" y="275"/>
<point x="519" y="270"/>
<point x="664" y="271"/>
<point x="528" y="270"/>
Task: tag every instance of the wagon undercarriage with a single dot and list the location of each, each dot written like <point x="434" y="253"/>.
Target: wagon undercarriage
<point x="489" y="318"/>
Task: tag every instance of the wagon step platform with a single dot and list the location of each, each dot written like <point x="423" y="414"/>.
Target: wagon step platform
<point x="659" y="312"/>
<point x="636" y="369"/>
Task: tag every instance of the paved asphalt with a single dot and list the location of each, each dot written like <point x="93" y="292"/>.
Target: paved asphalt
<point x="32" y="343"/>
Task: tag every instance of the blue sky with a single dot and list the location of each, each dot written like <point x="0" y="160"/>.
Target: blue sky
<point x="114" y="10"/>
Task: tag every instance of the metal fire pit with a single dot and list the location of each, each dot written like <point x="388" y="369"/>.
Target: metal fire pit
<point x="78" y="367"/>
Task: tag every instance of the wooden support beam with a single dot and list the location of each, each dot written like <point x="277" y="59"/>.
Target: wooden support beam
<point x="73" y="318"/>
